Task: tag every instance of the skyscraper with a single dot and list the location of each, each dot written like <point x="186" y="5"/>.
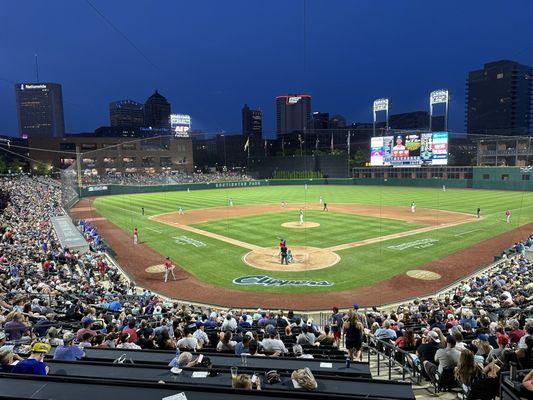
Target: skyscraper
<point x="293" y="113"/>
<point x="252" y="122"/>
<point x="40" y="109"/>
<point x="320" y="120"/>
<point x="157" y="112"/>
<point x="499" y="99"/>
<point x="126" y="113"/>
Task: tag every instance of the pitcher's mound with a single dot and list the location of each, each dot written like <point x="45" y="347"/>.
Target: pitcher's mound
<point x="305" y="258"/>
<point x="297" y="225"/>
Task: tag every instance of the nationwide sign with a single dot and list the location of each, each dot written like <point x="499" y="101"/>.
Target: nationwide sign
<point x="23" y="86"/>
<point x="96" y="188"/>
<point x="265" y="280"/>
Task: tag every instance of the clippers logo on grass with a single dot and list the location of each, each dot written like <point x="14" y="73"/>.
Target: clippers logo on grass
<point x="417" y="244"/>
<point x="265" y="280"/>
<point x="187" y="240"/>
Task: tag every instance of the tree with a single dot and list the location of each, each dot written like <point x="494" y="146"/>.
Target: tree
<point x="361" y="158"/>
<point x="3" y="166"/>
<point x="16" y="166"/>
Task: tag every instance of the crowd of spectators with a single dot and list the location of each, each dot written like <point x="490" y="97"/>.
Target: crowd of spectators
<point x="481" y="328"/>
<point x="51" y="296"/>
<point x="163" y="178"/>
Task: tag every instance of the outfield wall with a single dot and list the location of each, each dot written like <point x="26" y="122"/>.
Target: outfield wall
<point x="495" y="178"/>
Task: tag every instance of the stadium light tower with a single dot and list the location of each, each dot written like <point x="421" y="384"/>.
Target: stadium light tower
<point x="380" y="105"/>
<point x="439" y="96"/>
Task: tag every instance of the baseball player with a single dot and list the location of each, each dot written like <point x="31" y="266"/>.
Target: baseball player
<point x="443" y="188"/>
<point x="301" y="216"/>
<point x="413" y="207"/>
<point x="231" y="202"/>
<point x="283" y="204"/>
<point x="507" y="216"/>
<point x="135" y="236"/>
<point x="478" y="212"/>
<point x="169" y="269"/>
<point x="325" y="208"/>
<point x="180" y="211"/>
<point x="142" y="211"/>
<point x="321" y="200"/>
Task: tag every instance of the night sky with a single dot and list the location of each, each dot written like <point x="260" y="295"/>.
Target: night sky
<point x="210" y="57"/>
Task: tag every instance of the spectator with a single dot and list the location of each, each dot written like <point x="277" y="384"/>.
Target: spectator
<point x="67" y="351"/>
<point x="225" y="342"/>
<point x="34" y="364"/>
<point x="353" y="333"/>
<point x="272" y="343"/>
<point x="188" y="342"/>
<point x="243" y="381"/>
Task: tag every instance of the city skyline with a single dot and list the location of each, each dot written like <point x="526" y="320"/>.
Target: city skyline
<point x="95" y="65"/>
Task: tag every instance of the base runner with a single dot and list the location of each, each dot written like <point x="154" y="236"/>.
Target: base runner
<point x="169" y="269"/>
<point x="135" y="236"/>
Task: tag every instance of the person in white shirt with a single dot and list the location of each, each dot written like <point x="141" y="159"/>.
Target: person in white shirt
<point x="200" y="335"/>
<point x="229" y="324"/>
<point x="272" y="344"/>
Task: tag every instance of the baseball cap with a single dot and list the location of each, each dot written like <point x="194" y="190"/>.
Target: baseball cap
<point x="483" y="336"/>
<point x="434" y="336"/>
<point x="271" y="330"/>
<point x="68" y="337"/>
<point x="39" y="347"/>
<point x="356" y="306"/>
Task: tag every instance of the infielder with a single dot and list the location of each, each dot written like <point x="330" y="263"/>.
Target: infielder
<point x="231" y="202"/>
<point x="142" y="211"/>
<point x="283" y="204"/>
<point x="169" y="269"/>
<point x="321" y="200"/>
<point x="478" y="212"/>
<point x="507" y="216"/>
<point x="443" y="188"/>
<point x="135" y="236"/>
<point x="180" y="211"/>
<point x="413" y="207"/>
<point x="325" y="207"/>
<point x="301" y="217"/>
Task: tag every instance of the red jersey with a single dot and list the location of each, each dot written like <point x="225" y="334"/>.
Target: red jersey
<point x="135" y="232"/>
<point x="168" y="264"/>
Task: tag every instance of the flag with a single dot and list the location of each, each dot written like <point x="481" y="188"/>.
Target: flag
<point x="348" y="144"/>
<point x="247" y="144"/>
<point x="265" y="144"/>
<point x="332" y="142"/>
<point x="300" y="138"/>
<point x="317" y="142"/>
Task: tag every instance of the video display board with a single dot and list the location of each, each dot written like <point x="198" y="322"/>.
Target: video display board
<point x="409" y="149"/>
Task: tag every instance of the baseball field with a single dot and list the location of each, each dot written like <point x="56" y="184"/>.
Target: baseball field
<point x="229" y="238"/>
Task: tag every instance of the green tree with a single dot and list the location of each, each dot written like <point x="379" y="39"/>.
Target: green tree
<point x="360" y="158"/>
<point x="16" y="166"/>
<point x="3" y="166"/>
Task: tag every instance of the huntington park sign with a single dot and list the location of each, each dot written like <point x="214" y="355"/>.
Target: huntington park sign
<point x="265" y="280"/>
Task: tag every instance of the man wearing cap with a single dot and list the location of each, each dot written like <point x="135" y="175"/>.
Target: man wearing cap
<point x="427" y="350"/>
<point x="68" y="351"/>
<point x="362" y="316"/>
<point x="34" y="365"/>
<point x="271" y="344"/>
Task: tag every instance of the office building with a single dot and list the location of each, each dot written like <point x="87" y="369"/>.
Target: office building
<point x="499" y="99"/>
<point x="126" y="113"/>
<point x="252" y="122"/>
<point x="320" y="120"/>
<point x="40" y="109"/>
<point x="293" y="113"/>
<point x="337" y="121"/>
<point x="157" y="112"/>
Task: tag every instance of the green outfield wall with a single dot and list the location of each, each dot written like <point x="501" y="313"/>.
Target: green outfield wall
<point x="495" y="178"/>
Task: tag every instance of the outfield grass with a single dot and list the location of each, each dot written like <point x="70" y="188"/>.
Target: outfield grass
<point x="335" y="228"/>
<point x="220" y="262"/>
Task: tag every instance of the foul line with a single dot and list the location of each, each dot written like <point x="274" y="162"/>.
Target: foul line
<point x="464" y="233"/>
<point x="226" y="239"/>
<point x="397" y="235"/>
<point x="152" y="229"/>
